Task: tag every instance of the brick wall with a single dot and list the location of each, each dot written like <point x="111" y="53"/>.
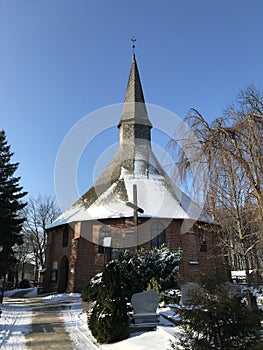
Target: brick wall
<point x="85" y="260"/>
<point x="55" y="252"/>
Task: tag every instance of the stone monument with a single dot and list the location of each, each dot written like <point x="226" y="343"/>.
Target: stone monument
<point x="145" y="306"/>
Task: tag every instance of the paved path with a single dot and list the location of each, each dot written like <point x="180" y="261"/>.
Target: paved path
<point x="48" y="331"/>
<point x="38" y="324"/>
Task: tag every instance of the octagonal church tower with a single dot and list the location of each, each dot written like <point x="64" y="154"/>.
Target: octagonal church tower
<point x="133" y="204"/>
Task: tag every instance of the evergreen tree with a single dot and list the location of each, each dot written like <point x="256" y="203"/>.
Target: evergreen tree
<point x="220" y="318"/>
<point x="109" y="321"/>
<point x="10" y="205"/>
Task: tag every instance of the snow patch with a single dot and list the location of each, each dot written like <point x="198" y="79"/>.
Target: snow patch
<point x="15" y="323"/>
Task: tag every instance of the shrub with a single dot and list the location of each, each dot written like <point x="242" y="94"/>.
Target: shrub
<point x="144" y="266"/>
<point x="219" y="319"/>
<point x="25" y="284"/>
<point x="171" y="296"/>
<point x="90" y="292"/>
<point x="8" y="285"/>
<point x="108" y="320"/>
<point x="142" y="270"/>
<point x="153" y="284"/>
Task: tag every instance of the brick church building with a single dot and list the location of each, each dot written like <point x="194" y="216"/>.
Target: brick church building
<point x="133" y="204"/>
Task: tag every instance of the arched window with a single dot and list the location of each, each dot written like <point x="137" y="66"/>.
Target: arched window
<point x="157" y="234"/>
<point x="65" y="237"/>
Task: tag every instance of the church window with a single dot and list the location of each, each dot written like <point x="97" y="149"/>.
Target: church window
<point x="65" y="237"/>
<point x="157" y="235"/>
<point x="104" y="232"/>
<point x="202" y="240"/>
<point x="54" y="276"/>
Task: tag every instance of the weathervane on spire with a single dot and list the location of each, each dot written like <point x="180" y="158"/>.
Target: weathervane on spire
<point x="133" y="44"/>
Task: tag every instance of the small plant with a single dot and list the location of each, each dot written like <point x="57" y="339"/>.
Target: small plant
<point x="153" y="284"/>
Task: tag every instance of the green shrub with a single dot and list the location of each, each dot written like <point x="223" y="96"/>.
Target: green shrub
<point x="153" y="284"/>
<point x="220" y="318"/>
<point x="25" y="284"/>
<point x="170" y="296"/>
<point x="140" y="268"/>
<point x="90" y="292"/>
<point x="108" y="320"/>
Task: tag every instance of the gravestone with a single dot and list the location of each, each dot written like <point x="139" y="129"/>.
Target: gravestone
<point x="187" y="290"/>
<point x="145" y="306"/>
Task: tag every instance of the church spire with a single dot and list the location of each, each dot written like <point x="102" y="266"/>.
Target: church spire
<point x="134" y="110"/>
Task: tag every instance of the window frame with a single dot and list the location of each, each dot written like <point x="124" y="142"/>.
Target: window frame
<point x="158" y="235"/>
<point x="65" y="237"/>
<point x="202" y="242"/>
<point x="104" y="231"/>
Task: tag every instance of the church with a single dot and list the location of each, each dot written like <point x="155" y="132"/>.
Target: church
<point x="132" y="205"/>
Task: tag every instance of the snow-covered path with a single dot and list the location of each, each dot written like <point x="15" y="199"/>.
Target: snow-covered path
<point x="47" y="328"/>
<point x="15" y="323"/>
<point x="44" y="323"/>
<point x="59" y="322"/>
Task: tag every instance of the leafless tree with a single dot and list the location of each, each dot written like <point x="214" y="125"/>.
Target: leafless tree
<point x="39" y="212"/>
<point x="23" y="256"/>
<point x="232" y="146"/>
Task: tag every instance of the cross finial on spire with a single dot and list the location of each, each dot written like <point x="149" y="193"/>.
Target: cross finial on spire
<point x="133" y="44"/>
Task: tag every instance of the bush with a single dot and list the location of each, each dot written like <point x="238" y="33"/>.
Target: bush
<point x="109" y="320"/>
<point x="140" y="268"/>
<point x="90" y="292"/>
<point x="219" y="319"/>
<point x="8" y="285"/>
<point x="171" y="296"/>
<point x="25" y="284"/>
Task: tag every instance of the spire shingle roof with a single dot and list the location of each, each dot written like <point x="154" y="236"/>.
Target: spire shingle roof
<point x="134" y="108"/>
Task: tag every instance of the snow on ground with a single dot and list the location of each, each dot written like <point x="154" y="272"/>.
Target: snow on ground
<point x="17" y="317"/>
<point x="15" y="323"/>
<point x="75" y="320"/>
<point x="154" y="340"/>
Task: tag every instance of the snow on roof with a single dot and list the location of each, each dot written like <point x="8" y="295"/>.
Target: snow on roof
<point x="154" y="196"/>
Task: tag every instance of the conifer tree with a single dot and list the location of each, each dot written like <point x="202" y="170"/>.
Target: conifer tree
<point x="220" y="317"/>
<point x="10" y="204"/>
<point x="109" y="321"/>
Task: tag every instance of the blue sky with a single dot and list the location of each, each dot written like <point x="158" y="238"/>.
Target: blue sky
<point x="61" y="60"/>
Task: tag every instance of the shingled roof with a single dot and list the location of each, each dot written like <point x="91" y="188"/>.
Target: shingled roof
<point x="134" y="108"/>
<point x="133" y="163"/>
